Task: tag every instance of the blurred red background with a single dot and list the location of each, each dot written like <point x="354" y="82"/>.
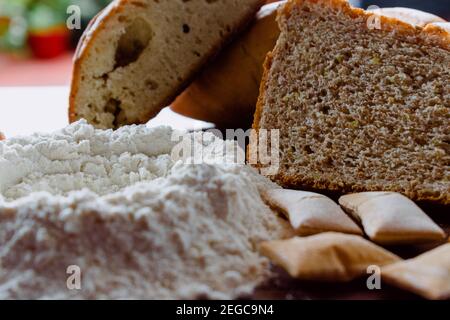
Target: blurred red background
<point x="38" y="37"/>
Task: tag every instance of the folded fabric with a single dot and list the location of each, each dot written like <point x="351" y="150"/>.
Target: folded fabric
<point x="391" y="218"/>
<point x="427" y="275"/>
<point x="327" y="256"/>
<point x="311" y="213"/>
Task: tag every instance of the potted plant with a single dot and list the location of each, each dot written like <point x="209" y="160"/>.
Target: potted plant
<point x="48" y="35"/>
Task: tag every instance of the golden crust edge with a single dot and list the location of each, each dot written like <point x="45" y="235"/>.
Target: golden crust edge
<point x="83" y="48"/>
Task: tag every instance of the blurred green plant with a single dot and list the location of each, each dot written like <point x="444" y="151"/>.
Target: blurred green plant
<point x="20" y="17"/>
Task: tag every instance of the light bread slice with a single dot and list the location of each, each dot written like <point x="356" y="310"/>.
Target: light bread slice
<point x="391" y="218"/>
<point x="137" y="56"/>
<point x="358" y="108"/>
<point x="311" y="213"/>
<point x="327" y="256"/>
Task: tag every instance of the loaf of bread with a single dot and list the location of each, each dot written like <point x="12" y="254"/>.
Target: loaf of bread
<point x="137" y="56"/>
<point x="438" y="26"/>
<point x="412" y="16"/>
<point x="226" y="92"/>
<point x="358" y="107"/>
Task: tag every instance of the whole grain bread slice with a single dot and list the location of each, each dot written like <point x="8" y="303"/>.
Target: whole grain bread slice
<point x="137" y="56"/>
<point x="362" y="101"/>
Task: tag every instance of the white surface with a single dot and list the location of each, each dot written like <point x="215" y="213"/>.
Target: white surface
<point x="24" y="110"/>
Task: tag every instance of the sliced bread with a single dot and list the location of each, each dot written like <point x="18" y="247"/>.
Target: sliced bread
<point x="359" y="108"/>
<point x="412" y="16"/>
<point x="226" y="92"/>
<point x="137" y="56"/>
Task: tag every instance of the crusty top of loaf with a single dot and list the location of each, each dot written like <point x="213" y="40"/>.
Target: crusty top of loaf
<point x="433" y="34"/>
<point x="92" y="27"/>
<point x="92" y="30"/>
<point x="412" y="16"/>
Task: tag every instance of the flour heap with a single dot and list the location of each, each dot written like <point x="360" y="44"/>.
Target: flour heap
<point x="135" y="221"/>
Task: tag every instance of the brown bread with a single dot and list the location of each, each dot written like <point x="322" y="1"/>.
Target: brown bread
<point x="226" y="92"/>
<point x="359" y="108"/>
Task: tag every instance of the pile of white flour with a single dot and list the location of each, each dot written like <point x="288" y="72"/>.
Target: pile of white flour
<point x="136" y="224"/>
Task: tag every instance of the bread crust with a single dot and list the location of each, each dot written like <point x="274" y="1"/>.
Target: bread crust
<point x="225" y="93"/>
<point x="431" y="34"/>
<point x="100" y="22"/>
<point x="94" y="27"/>
<point x="412" y="16"/>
